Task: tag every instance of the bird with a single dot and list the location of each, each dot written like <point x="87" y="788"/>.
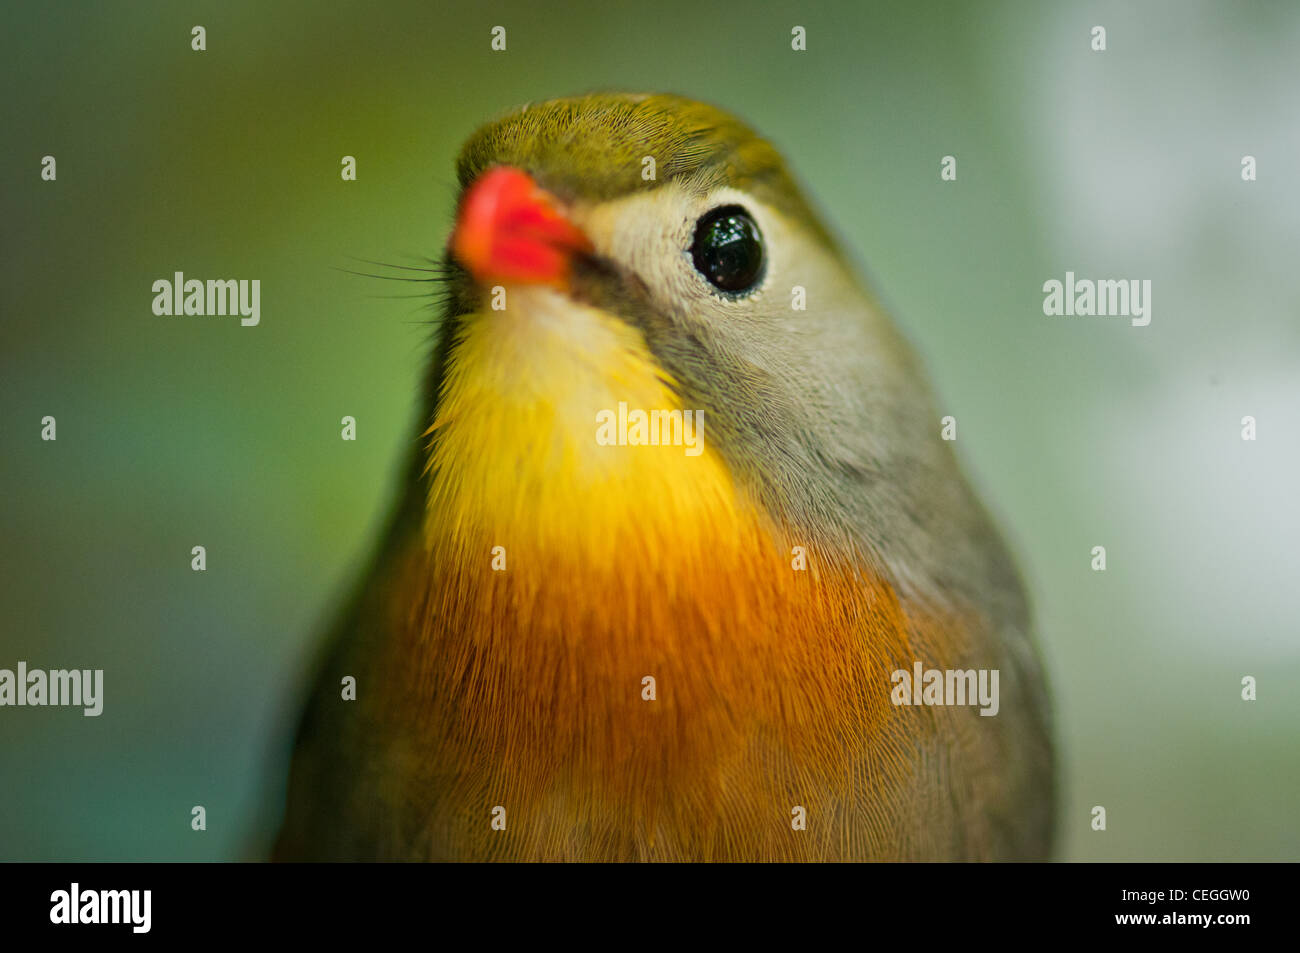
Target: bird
<point x="676" y="517"/>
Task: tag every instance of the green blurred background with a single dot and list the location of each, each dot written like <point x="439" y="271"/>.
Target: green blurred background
<point x="174" y="432"/>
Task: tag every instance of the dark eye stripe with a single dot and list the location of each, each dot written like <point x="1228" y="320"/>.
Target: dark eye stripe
<point x="728" y="249"/>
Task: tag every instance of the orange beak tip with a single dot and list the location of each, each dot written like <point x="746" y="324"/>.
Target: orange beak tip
<point x="510" y="230"/>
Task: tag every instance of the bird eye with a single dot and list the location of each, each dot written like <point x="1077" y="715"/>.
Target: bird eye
<point x="728" y="249"/>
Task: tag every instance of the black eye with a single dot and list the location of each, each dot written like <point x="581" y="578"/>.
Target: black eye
<point x="728" y="249"/>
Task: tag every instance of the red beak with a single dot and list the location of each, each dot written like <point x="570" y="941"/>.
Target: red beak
<point x="511" y="230"/>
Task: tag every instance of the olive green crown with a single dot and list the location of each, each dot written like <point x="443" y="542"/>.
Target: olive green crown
<point x="592" y="148"/>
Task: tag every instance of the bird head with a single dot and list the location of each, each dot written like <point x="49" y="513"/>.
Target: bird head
<point x="655" y="251"/>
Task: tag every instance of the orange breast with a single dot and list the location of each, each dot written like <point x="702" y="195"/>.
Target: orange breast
<point x="628" y="569"/>
<point x="652" y="708"/>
